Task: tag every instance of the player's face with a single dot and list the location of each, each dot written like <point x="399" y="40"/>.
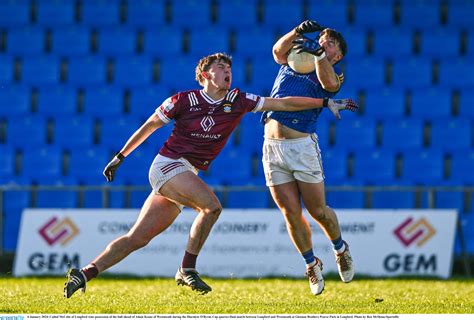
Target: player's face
<point x="331" y="46"/>
<point x="220" y="75"/>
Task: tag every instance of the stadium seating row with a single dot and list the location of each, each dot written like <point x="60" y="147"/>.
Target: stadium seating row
<point x="145" y="13"/>
<point x="139" y="71"/>
<point x="116" y="42"/>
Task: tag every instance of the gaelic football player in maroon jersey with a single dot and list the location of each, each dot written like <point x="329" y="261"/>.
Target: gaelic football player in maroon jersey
<point x="204" y="120"/>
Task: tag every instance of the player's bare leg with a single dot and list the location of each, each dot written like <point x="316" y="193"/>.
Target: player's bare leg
<point x="313" y="195"/>
<point x="287" y="198"/>
<point x="189" y="190"/>
<point x="157" y="214"/>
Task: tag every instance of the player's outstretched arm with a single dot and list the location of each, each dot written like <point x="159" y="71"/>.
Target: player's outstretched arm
<point x="305" y="103"/>
<point x="137" y="138"/>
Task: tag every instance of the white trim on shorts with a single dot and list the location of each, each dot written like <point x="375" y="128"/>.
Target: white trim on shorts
<point x="287" y="160"/>
<point x="163" y="169"/>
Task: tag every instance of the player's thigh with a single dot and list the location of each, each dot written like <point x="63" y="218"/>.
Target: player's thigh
<point x="313" y="195"/>
<point x="189" y="190"/>
<point x="157" y="214"/>
<point x="286" y="197"/>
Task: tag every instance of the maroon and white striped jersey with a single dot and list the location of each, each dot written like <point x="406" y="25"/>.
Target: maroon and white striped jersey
<point x="203" y="125"/>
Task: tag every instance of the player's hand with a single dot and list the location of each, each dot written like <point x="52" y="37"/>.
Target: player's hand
<point x="336" y="105"/>
<point x="310" y="46"/>
<point x="308" y="26"/>
<point x="112" y="166"/>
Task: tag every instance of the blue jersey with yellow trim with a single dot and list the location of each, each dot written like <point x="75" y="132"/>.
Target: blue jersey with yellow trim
<point x="291" y="83"/>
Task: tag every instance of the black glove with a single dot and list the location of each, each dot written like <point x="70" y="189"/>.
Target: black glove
<point x="308" y="45"/>
<point x="112" y="166"/>
<point x="308" y="26"/>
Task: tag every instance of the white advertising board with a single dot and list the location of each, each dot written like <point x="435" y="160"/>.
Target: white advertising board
<point x="243" y="243"/>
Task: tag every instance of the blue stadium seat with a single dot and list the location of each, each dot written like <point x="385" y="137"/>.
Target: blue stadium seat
<point x="431" y="40"/>
<point x="245" y="10"/>
<point x="70" y="41"/>
<point x="246" y="45"/>
<point x="356" y="134"/>
<point x="208" y="40"/>
<point x="274" y="10"/>
<point x="6" y="70"/>
<point x="135" y="170"/>
<point x="374" y="14"/>
<point x="248" y="199"/>
<point x="233" y="166"/>
<point x="57" y="198"/>
<point x="158" y="138"/>
<point x="73" y="132"/>
<point x="14" y="203"/>
<point x="466" y="101"/>
<point x="58" y="100"/>
<point x="239" y="72"/>
<point x="423" y="167"/>
<point x="323" y="130"/>
<point x="371" y="70"/>
<point x="88" y="71"/>
<point x="460" y="13"/>
<point x="470" y="44"/>
<point x="264" y="72"/>
<point x="41" y="163"/>
<point x="191" y="14"/>
<point x="393" y="199"/>
<point x="412" y="73"/>
<point x="14" y="100"/>
<point x="329" y="13"/>
<point x="7" y="163"/>
<point x="462" y="163"/>
<point x="14" y="13"/>
<point x="26" y="131"/>
<point x="25" y="41"/>
<point x="146" y="14"/>
<point x="467" y="224"/>
<point x="451" y="135"/>
<point x="431" y="103"/>
<point x="86" y="164"/>
<point x="116" y="42"/>
<point x="103" y="102"/>
<point x="138" y="197"/>
<point x="145" y="100"/>
<point x="385" y="103"/>
<point x="164" y="42"/>
<point x="344" y="199"/>
<point x="374" y="167"/>
<point x="133" y="71"/>
<point x="392" y="43"/>
<point x="251" y="133"/>
<point x="449" y="200"/>
<point x="55" y="13"/>
<point x="335" y="165"/>
<point x="402" y="134"/>
<point x="183" y="66"/>
<point x="114" y="132"/>
<point x="40" y="71"/>
<point x="356" y="39"/>
<point x="100" y="13"/>
<point x="420" y="14"/>
<point x="452" y="73"/>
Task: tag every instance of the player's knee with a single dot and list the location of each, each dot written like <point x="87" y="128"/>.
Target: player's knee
<point x="213" y="210"/>
<point x="319" y="212"/>
<point x="292" y="215"/>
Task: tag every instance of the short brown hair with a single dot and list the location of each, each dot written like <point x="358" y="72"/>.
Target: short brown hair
<point x="205" y="64"/>
<point x="339" y="38"/>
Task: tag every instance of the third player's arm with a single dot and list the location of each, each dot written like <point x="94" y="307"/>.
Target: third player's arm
<point x="291" y="104"/>
<point x="141" y="134"/>
<point x="282" y="46"/>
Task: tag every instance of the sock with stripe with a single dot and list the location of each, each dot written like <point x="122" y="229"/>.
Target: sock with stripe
<point x="309" y="258"/>
<point x="189" y="261"/>
<point x="338" y="245"/>
<point x="90" y="271"/>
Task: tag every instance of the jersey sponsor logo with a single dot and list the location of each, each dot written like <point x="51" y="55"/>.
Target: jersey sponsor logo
<point x="207" y="123"/>
<point x="194" y="109"/>
<point x="251" y="96"/>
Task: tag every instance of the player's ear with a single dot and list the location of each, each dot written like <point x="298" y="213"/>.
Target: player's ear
<point x="205" y="75"/>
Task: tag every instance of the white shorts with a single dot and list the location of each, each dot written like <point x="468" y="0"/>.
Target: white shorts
<point x="163" y="169"/>
<point x="286" y="160"/>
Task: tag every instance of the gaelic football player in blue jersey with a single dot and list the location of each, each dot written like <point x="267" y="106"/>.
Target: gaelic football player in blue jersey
<point x="291" y="155"/>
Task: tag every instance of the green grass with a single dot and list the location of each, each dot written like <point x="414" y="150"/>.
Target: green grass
<point x="257" y="296"/>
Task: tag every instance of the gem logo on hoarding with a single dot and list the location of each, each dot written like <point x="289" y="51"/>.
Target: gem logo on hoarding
<point x="58" y="231"/>
<point x="414" y="232"/>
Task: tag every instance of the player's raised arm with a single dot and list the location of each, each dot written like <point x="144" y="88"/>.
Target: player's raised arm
<point x="137" y="138"/>
<point x="305" y="103"/>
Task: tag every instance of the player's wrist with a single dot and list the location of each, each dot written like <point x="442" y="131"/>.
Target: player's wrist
<point x="320" y="56"/>
<point x="119" y="156"/>
<point x="325" y="102"/>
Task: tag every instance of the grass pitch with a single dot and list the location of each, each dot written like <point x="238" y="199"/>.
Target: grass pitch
<point x="257" y="296"/>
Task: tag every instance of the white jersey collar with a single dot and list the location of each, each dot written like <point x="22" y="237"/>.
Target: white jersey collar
<point x="208" y="98"/>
